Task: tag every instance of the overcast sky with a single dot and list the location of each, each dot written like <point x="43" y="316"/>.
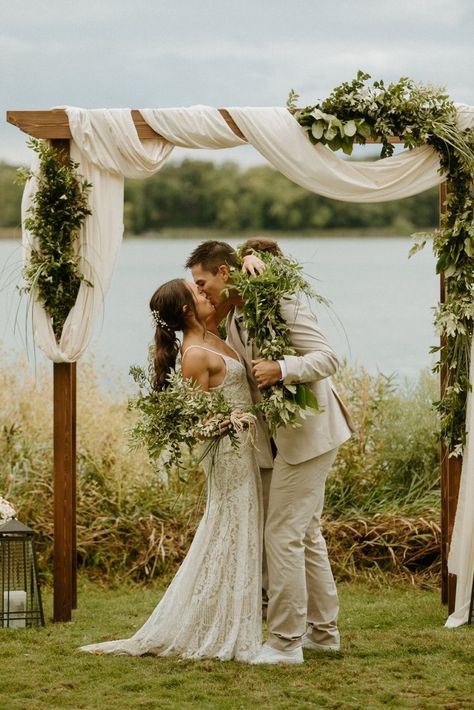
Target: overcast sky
<point x="133" y="53"/>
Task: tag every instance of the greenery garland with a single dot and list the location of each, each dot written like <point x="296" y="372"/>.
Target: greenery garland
<point x="419" y="115"/>
<point x="261" y="295"/>
<point x="60" y="206"/>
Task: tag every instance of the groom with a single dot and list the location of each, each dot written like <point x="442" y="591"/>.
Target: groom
<point x="303" y="603"/>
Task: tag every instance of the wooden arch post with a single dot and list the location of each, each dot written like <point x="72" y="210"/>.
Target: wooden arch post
<point x="450" y="469"/>
<point x="64" y="436"/>
<point x="54" y="125"/>
<point x="65" y="554"/>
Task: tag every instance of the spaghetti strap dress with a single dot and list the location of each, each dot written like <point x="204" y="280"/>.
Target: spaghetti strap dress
<point x="212" y="608"/>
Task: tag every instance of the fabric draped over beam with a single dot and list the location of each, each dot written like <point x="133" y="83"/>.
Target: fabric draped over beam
<point x="461" y="551"/>
<point x="106" y="146"/>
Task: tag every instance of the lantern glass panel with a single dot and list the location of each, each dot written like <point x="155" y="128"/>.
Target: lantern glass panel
<point x="20" y="596"/>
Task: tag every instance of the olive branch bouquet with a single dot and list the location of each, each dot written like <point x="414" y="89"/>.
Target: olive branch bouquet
<point x="175" y="420"/>
<point x="261" y="295"/>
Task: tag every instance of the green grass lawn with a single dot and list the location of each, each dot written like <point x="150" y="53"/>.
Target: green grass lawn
<point x="395" y="653"/>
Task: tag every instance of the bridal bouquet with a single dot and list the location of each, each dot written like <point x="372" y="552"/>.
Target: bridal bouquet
<point x="180" y="417"/>
<point x="282" y="403"/>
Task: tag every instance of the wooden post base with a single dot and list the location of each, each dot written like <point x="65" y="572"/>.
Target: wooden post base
<point x="64" y="489"/>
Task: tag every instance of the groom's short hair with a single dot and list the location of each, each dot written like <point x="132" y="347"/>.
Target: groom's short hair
<point x="211" y="254"/>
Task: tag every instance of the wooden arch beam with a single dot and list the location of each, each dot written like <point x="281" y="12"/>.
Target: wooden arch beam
<point x="55" y="123"/>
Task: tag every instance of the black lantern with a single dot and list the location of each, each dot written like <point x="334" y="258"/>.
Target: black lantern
<point x="20" y="597"/>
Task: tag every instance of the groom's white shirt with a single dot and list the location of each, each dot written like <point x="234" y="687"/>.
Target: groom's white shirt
<point x="313" y="365"/>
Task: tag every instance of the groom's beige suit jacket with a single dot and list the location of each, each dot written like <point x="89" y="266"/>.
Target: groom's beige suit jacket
<point x="313" y="365"/>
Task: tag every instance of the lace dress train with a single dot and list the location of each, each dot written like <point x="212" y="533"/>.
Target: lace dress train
<point x="212" y="608"/>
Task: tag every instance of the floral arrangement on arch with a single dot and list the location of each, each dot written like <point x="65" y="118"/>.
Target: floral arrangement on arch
<point x="418" y="115"/>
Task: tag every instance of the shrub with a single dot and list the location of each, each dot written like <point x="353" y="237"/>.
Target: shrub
<point x="392" y="463"/>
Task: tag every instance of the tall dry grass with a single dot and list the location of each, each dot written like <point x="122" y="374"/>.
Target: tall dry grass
<point x="392" y="463"/>
<point x="137" y="522"/>
<point x="132" y="520"/>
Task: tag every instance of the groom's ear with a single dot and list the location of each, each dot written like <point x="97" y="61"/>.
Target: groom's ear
<point x="223" y="270"/>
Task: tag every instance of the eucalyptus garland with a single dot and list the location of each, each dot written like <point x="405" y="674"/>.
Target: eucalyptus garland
<point x="60" y="206"/>
<point x="261" y="295"/>
<point x="419" y="115"/>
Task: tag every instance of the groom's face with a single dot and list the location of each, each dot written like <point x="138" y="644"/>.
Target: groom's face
<point x="211" y="284"/>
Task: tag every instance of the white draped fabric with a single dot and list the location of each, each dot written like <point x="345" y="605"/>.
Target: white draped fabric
<point x="461" y="553"/>
<point x="106" y="146"/>
<point x="107" y="149"/>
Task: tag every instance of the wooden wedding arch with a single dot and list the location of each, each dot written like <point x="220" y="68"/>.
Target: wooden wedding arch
<point x="54" y="126"/>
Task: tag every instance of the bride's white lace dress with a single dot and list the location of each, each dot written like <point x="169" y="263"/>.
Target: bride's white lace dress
<point x="212" y="608"/>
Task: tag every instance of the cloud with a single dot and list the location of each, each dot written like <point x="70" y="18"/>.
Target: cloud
<point x="119" y="53"/>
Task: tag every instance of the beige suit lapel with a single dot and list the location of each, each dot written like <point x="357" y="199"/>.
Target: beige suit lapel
<point x="244" y="350"/>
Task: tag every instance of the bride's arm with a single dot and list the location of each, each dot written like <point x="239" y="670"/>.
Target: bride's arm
<point x="195" y="366"/>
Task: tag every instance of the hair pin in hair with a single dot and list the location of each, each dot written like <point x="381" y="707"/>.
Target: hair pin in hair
<point x="161" y="323"/>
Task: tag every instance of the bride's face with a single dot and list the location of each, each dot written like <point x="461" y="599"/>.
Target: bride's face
<point x="204" y="307"/>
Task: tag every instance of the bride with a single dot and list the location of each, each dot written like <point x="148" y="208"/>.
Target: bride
<point x="212" y="608"/>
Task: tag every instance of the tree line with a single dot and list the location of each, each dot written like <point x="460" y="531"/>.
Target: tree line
<point x="224" y="196"/>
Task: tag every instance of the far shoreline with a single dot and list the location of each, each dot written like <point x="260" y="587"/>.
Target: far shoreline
<point x="199" y="234"/>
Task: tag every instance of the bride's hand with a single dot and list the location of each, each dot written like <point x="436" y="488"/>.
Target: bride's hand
<point x="253" y="265"/>
<point x="223" y="426"/>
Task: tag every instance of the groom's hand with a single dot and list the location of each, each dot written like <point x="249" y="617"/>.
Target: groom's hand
<point x="266" y="372"/>
<point x="253" y="265"/>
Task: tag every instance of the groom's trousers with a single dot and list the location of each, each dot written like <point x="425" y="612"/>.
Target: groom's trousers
<point x="301" y="585"/>
<point x="266" y="478"/>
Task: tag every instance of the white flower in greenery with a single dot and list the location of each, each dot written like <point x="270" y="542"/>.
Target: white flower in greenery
<point x="7" y="511"/>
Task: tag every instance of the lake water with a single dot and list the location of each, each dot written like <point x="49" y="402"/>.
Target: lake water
<point x="381" y="314"/>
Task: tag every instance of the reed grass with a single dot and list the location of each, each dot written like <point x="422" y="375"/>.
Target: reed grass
<point x="392" y="463"/>
<point x="136" y="522"/>
<point x="385" y="547"/>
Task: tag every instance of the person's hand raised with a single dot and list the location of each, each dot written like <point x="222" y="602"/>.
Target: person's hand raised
<point x="253" y="265"/>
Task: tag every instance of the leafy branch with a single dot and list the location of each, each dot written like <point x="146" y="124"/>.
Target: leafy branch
<point x="261" y="295"/>
<point x="59" y="208"/>
<point x="355" y="112"/>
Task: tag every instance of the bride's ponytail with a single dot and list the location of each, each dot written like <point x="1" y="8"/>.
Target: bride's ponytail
<point x="169" y="305"/>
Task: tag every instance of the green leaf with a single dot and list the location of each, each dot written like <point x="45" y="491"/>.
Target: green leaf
<point x="420" y="241"/>
<point x="311" y="400"/>
<point x="301" y="396"/>
<point x="317" y="129"/>
<point x="292" y="99"/>
<point x="364" y="129"/>
<point x="336" y="143"/>
<point x="330" y="133"/>
<point x="347" y="145"/>
<point x="441" y="263"/>
<point x="469" y="246"/>
<point x="350" y="128"/>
